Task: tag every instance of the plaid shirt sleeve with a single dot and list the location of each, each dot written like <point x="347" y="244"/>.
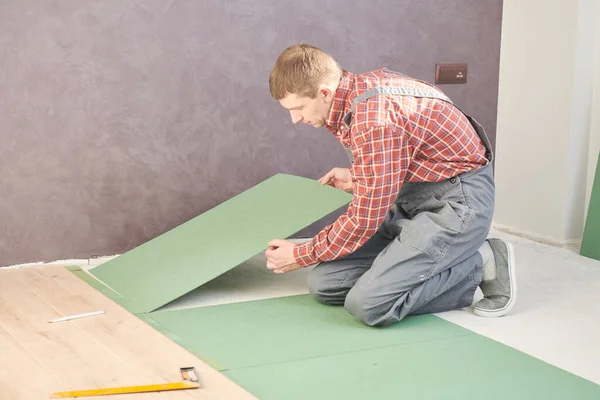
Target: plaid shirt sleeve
<point x="380" y="165"/>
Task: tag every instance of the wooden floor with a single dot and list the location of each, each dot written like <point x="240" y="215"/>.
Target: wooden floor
<point x="38" y="358"/>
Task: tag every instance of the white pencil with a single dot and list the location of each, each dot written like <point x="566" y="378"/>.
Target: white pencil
<point x="90" y="314"/>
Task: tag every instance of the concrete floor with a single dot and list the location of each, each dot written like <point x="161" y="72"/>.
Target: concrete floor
<point x="556" y="318"/>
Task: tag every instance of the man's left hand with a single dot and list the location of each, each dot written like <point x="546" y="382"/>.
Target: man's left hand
<point x="280" y="256"/>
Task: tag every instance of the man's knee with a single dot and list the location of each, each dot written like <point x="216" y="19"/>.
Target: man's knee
<point x="320" y="287"/>
<point x="366" y="306"/>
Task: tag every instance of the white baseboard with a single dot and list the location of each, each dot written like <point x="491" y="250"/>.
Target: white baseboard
<point x="85" y="263"/>
<point x="572" y="244"/>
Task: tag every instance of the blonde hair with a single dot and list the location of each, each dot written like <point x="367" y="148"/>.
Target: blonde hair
<point x="300" y="69"/>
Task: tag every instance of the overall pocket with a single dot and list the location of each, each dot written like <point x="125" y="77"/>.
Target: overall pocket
<point x="434" y="217"/>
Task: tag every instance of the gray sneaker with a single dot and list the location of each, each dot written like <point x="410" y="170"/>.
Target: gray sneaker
<point x="499" y="294"/>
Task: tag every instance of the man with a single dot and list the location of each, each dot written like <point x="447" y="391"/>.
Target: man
<point x="413" y="239"/>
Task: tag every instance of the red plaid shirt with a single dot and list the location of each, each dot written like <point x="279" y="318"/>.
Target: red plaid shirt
<point x="393" y="139"/>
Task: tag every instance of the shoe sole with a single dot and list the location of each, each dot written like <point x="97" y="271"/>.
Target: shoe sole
<point x="513" y="289"/>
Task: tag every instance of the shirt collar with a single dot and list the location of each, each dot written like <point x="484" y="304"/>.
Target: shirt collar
<point x="341" y="102"/>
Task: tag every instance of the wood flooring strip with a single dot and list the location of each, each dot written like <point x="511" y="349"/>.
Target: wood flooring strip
<point x="112" y="349"/>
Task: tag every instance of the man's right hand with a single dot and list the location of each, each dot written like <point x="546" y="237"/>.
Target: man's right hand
<point x="339" y="178"/>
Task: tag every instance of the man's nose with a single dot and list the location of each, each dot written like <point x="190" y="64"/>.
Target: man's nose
<point x="295" y="117"/>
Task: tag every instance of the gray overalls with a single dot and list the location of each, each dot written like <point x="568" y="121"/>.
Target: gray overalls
<point x="424" y="258"/>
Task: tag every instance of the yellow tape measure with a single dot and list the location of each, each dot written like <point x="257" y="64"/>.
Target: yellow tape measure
<point x="188" y="374"/>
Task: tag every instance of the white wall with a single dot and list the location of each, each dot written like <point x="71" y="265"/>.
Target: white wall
<point x="581" y="114"/>
<point x="595" y="120"/>
<point x="544" y="110"/>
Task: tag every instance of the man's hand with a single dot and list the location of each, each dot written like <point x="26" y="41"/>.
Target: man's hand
<point x="280" y="256"/>
<point x="339" y="178"/>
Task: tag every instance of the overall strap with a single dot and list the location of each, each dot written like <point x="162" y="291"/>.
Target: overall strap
<point x="416" y="92"/>
<point x="394" y="91"/>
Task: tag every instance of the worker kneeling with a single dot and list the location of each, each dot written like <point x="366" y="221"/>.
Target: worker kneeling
<point x="414" y="238"/>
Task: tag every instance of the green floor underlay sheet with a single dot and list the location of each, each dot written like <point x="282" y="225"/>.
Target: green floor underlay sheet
<point x="295" y="348"/>
<point x="286" y="329"/>
<point x="464" y="367"/>
<point x="590" y="246"/>
<point x="184" y="258"/>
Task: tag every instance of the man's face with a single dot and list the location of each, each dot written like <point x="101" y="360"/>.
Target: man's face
<point x="310" y="111"/>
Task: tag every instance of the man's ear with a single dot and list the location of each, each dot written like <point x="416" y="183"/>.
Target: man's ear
<point x="325" y="92"/>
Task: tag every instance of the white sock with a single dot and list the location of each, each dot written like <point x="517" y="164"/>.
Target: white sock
<point x="489" y="263"/>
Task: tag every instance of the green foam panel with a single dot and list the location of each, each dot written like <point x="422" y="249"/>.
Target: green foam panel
<point x="286" y="329"/>
<point x="590" y="246"/>
<point x="184" y="258"/>
<point x="456" y="368"/>
<point x="295" y="348"/>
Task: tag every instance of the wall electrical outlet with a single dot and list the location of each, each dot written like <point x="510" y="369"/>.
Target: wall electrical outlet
<point x="451" y="73"/>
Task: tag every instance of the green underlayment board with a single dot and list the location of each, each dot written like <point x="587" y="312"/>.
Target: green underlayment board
<point x="286" y="329"/>
<point x="295" y="348"/>
<point x="184" y="258"/>
<point x="590" y="246"/>
<point x="457" y="368"/>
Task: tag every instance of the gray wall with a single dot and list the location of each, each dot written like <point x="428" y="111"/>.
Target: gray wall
<point x="120" y="120"/>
